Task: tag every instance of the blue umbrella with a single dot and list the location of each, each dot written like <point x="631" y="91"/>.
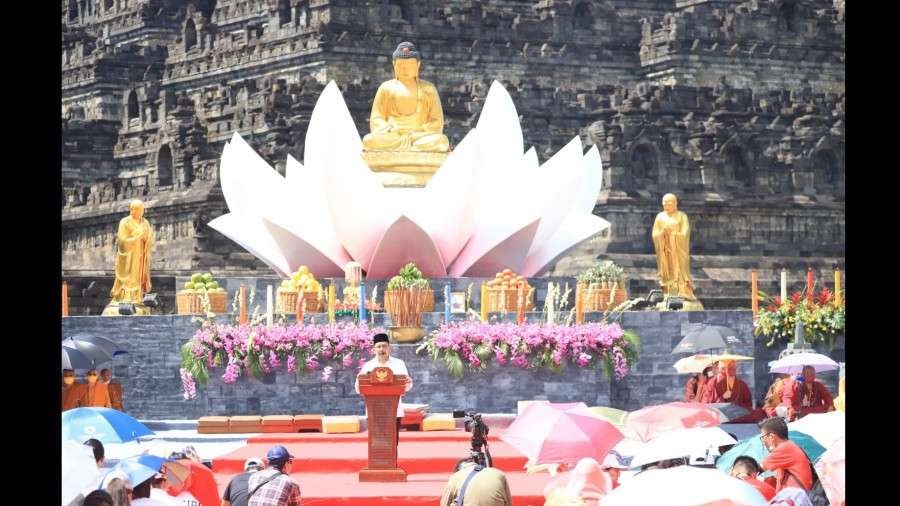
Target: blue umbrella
<point x="753" y="447"/>
<point x="104" y="424"/>
<point x="139" y="468"/>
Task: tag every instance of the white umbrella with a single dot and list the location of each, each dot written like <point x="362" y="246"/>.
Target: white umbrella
<point x="693" y="364"/>
<point x="825" y="428"/>
<point x="681" y="443"/>
<point x="684" y="486"/>
<point x="79" y="469"/>
<point x="792" y="364"/>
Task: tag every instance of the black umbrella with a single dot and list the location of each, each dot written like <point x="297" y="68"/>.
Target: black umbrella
<point x="95" y="348"/>
<point x="729" y="411"/>
<point x="74" y="359"/>
<point x="705" y="337"/>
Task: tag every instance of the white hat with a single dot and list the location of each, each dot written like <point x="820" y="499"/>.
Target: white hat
<point x="614" y="461"/>
<point x="253" y="462"/>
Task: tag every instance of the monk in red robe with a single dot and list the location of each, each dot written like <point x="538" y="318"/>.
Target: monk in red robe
<point x="804" y="395"/>
<point x="95" y="394"/>
<point x="693" y="389"/>
<point x="115" y="389"/>
<point x="728" y="387"/>
<point x="71" y="390"/>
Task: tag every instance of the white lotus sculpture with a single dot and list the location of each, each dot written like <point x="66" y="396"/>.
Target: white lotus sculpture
<point x="487" y="208"/>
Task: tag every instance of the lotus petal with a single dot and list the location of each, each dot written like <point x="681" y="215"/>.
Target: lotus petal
<point x="252" y="235"/>
<point x="330" y="120"/>
<point x="509" y="252"/>
<point x="593" y="181"/>
<point x="405" y="242"/>
<point x="297" y="251"/>
<point x="553" y="185"/>
<point x="572" y="231"/>
<point x="498" y="130"/>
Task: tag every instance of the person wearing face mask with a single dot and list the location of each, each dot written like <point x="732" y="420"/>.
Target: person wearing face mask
<point x="71" y="390"/>
<point x="693" y="389"/>
<point x="805" y="394"/>
<point x="115" y="389"/>
<point x="95" y="394"/>
<point x="728" y="387"/>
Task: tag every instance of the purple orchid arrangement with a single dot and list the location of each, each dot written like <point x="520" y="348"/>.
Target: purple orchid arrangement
<point x="472" y="345"/>
<point x="257" y="350"/>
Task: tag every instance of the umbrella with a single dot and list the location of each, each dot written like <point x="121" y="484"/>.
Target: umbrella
<point x="753" y="447"/>
<point x="704" y="338"/>
<point x="97" y="348"/>
<point x="825" y="428"/>
<point x="684" y="486"/>
<point x="548" y="435"/>
<point x="200" y="482"/>
<point x="729" y="411"/>
<point x="693" y="364"/>
<point x="78" y="469"/>
<point x="730" y="356"/>
<point x="74" y="359"/>
<point x="830" y="468"/>
<point x="681" y="443"/>
<point x="793" y="364"/>
<point x="613" y="415"/>
<point x="647" y="422"/>
<point x="104" y="424"/>
<point x="140" y="468"/>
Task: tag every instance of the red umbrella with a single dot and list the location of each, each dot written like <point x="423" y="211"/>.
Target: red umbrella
<point x="549" y="434"/>
<point x="200" y="482"/>
<point x="648" y="422"/>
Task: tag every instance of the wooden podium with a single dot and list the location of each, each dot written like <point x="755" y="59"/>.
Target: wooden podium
<point x="382" y="391"/>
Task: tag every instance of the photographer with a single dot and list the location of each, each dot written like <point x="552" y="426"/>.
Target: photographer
<point x="474" y="485"/>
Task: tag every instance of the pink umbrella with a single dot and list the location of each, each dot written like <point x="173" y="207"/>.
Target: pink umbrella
<point x="647" y="422"/>
<point x="830" y="468"/>
<point x="549" y="434"/>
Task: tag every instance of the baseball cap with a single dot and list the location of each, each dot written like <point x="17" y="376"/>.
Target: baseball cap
<point x="614" y="460"/>
<point x="278" y="453"/>
<point x="253" y="462"/>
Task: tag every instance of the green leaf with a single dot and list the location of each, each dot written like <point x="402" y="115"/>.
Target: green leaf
<point x="254" y="366"/>
<point x="454" y="364"/>
<point x="483" y="352"/>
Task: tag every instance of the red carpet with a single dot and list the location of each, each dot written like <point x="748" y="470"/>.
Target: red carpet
<point x="326" y="467"/>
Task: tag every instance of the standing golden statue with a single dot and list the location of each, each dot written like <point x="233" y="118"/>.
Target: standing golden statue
<point x="671" y="240"/>
<point x="134" y="241"/>
<point x="407" y="142"/>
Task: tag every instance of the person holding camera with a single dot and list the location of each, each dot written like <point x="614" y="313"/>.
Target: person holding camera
<point x="383" y="358"/>
<point x="475" y="485"/>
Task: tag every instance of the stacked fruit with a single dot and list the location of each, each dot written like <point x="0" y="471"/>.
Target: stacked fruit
<point x="503" y="292"/>
<point x="507" y="279"/>
<point x="202" y="283"/>
<point x="301" y="281"/>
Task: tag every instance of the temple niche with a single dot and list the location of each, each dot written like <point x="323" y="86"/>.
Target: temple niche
<point x="736" y="107"/>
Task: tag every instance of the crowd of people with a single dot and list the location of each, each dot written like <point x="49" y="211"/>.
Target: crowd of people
<point x="98" y="390"/>
<point x="789" y="396"/>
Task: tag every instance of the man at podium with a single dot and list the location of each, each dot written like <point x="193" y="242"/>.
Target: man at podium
<point x="383" y="358"/>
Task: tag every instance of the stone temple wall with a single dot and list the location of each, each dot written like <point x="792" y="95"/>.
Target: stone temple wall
<point x="735" y="106"/>
<point x="149" y="373"/>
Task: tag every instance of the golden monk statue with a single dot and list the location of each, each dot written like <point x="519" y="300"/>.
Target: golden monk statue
<point x="134" y="241"/>
<point x="406" y="144"/>
<point x="671" y="240"/>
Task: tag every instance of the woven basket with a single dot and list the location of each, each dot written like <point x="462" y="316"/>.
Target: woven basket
<point x="595" y="298"/>
<point x="407" y="305"/>
<point x="192" y="303"/>
<point x="286" y="302"/>
<point x="506" y="300"/>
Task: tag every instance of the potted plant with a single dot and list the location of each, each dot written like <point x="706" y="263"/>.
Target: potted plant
<point x="602" y="286"/>
<point x="405" y="299"/>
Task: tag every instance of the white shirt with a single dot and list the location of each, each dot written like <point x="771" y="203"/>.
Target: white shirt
<point x="158" y="494"/>
<point x="186" y="499"/>
<point x="143" y="501"/>
<point x="397" y="367"/>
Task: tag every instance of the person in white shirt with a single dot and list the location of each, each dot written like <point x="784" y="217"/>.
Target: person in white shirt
<point x="141" y="495"/>
<point x="383" y="358"/>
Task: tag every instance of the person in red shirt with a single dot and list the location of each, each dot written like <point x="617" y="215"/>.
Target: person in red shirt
<point x="804" y="395"/>
<point x="787" y="460"/>
<point x="728" y="387"/>
<point x="746" y="468"/>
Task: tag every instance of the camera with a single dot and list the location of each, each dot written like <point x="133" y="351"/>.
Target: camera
<point x="474" y="424"/>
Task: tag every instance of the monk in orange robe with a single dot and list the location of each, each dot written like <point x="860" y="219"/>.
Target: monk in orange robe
<point x="728" y="387"/>
<point x="773" y="395"/>
<point x="806" y="396"/>
<point x="71" y="391"/>
<point x="115" y="389"/>
<point x="95" y="394"/>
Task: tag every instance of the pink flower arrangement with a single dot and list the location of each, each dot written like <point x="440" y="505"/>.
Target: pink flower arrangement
<point x="260" y="349"/>
<point x="473" y="345"/>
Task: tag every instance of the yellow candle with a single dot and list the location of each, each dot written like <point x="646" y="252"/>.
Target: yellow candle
<point x="483" y="302"/>
<point x="331" y="303"/>
<point x="579" y="305"/>
<point x="754" y="289"/>
<point x="242" y="316"/>
<point x="65" y="299"/>
<point x="838" y="296"/>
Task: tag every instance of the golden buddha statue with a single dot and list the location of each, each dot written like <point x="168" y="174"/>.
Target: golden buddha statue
<point x="134" y="241"/>
<point x="671" y="240"/>
<point x="406" y="144"/>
